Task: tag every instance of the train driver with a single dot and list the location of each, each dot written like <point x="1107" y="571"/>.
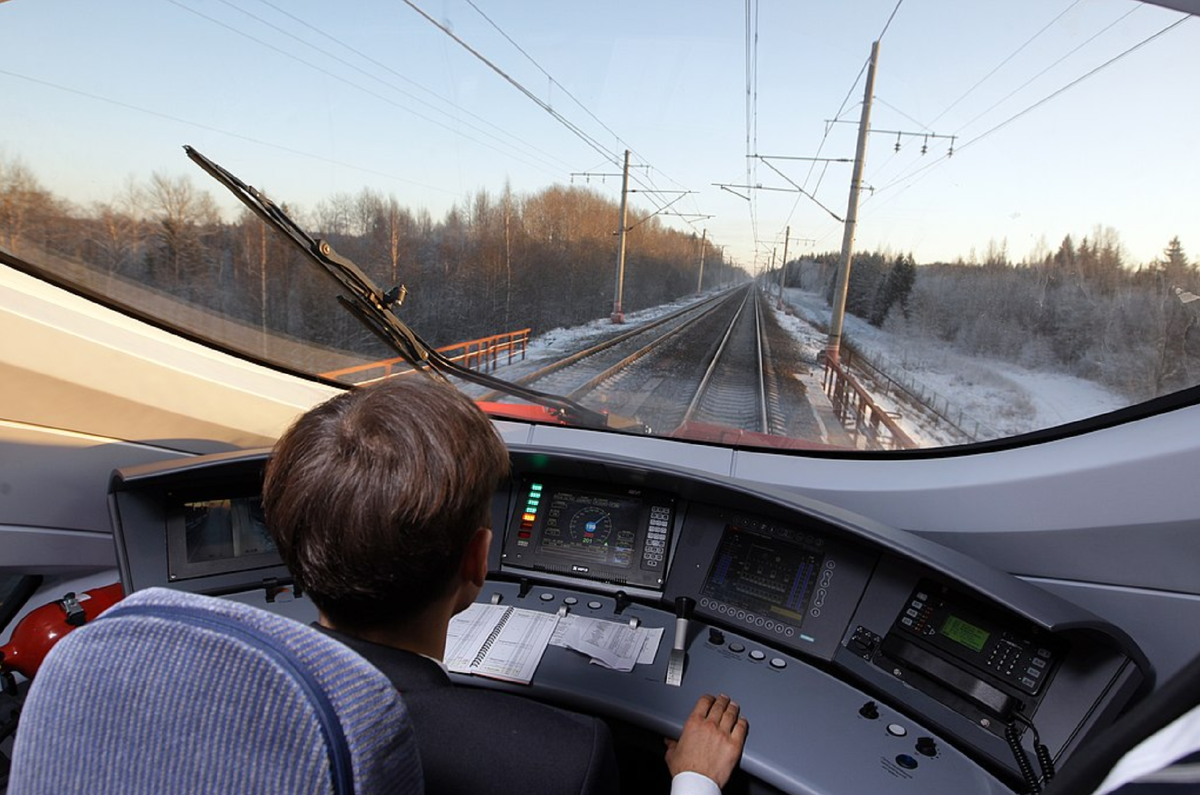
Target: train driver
<point x="379" y="500"/>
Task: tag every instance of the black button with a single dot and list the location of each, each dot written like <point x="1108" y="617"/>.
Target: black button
<point x="715" y="636"/>
<point x="926" y="746"/>
<point x="869" y="710"/>
<point x="906" y="761"/>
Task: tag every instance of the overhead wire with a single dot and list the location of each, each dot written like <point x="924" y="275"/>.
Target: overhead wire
<point x="592" y="142"/>
<point x="348" y="82"/>
<point x="1000" y="65"/>
<point x="565" y="122"/>
<point x="1059" y="92"/>
<point x="381" y="65"/>
<point x="220" y="131"/>
<point x="1086" y="42"/>
<point x="565" y="90"/>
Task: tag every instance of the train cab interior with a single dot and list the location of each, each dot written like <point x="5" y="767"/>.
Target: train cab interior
<point x="977" y="613"/>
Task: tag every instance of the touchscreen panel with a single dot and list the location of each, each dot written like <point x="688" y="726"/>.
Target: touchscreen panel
<point x="766" y="576"/>
<point x="614" y="534"/>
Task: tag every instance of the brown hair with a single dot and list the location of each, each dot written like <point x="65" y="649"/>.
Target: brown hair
<point x="373" y="495"/>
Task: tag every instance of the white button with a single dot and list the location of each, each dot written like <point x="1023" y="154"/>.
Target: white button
<point x="896" y="730"/>
<point x="594" y="605"/>
<point x="757" y="655"/>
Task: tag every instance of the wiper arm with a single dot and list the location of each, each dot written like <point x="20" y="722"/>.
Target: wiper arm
<point x="374" y="308"/>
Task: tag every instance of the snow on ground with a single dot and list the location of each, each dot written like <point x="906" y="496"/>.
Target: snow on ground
<point x="998" y="397"/>
<point x="559" y="342"/>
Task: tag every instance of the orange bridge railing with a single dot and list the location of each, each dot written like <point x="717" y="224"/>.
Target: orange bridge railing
<point x="484" y="353"/>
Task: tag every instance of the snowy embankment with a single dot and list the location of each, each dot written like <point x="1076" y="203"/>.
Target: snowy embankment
<point x="1002" y="398"/>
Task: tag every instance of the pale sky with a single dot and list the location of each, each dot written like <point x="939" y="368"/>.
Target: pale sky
<point x="96" y="92"/>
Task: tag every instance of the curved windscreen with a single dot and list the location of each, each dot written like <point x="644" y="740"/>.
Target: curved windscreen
<point x="861" y="226"/>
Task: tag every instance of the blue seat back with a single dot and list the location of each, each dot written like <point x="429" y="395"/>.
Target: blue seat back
<point x="173" y="692"/>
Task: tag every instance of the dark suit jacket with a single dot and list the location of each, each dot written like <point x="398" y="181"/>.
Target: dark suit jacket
<point x="477" y="741"/>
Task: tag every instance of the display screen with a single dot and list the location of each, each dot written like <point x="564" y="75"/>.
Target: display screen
<point x="769" y="573"/>
<point x="619" y="534"/>
<point x="225" y="529"/>
<point x="597" y="528"/>
<point x="965" y="633"/>
<point x="218" y="536"/>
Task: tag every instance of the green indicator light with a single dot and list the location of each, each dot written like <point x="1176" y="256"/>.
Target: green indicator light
<point x="532" y="507"/>
<point x="536" y="487"/>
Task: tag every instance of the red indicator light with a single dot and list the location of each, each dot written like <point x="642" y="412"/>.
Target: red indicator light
<point x="523" y="534"/>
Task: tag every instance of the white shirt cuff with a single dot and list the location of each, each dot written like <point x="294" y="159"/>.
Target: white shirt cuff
<point x="691" y="783"/>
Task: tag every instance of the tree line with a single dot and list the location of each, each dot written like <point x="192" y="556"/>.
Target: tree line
<point x="1082" y="309"/>
<point x="492" y="263"/>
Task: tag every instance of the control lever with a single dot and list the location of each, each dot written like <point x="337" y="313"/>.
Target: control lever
<point x="683" y="614"/>
<point x="623" y="601"/>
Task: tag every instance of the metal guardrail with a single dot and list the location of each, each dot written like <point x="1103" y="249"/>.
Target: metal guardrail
<point x="859" y="414"/>
<point x="948" y="414"/>
<point x="479" y="354"/>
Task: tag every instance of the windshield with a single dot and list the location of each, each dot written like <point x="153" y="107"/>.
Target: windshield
<point x="878" y="225"/>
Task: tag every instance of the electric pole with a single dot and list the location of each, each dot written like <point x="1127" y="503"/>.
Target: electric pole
<point x="860" y="154"/>
<point x="618" y="315"/>
<point x="783" y="270"/>
<point x="700" y="278"/>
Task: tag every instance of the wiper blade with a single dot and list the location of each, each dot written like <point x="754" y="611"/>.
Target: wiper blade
<point x="374" y="308"/>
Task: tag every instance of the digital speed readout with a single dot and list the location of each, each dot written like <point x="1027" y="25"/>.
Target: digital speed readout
<point x="619" y="535"/>
<point x="590" y="527"/>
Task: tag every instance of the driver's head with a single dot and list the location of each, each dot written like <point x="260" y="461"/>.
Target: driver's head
<point x="373" y="495"/>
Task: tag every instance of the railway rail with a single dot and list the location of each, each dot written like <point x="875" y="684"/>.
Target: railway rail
<point x="714" y="360"/>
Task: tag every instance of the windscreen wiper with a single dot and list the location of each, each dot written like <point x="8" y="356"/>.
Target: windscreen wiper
<point x="374" y="307"/>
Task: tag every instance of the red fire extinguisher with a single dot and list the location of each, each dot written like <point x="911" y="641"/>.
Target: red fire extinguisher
<point x="40" y="629"/>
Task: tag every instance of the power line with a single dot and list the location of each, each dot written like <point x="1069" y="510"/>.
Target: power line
<point x="1086" y="42"/>
<point x="220" y="131"/>
<point x="888" y="24"/>
<point x="549" y="76"/>
<point x="573" y="98"/>
<point x="1000" y="65"/>
<point x="1038" y="104"/>
<point x="391" y="71"/>
<point x="346" y="81"/>
<point x="575" y="129"/>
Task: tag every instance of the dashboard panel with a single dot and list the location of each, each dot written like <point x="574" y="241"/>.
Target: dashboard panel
<point x="865" y="656"/>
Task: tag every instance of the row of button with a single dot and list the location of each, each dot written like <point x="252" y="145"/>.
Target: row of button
<point x="757" y="655"/>
<point x="778" y="627"/>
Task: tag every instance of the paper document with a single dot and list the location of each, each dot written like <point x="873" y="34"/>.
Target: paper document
<point x="611" y="644"/>
<point x="501" y="642"/>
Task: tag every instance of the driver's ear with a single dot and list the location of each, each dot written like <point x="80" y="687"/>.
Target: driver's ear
<point x="475" y="560"/>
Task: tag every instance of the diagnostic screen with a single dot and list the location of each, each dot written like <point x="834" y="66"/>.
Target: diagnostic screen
<point x="965" y="633"/>
<point x="615" y="535"/>
<point x="770" y="574"/>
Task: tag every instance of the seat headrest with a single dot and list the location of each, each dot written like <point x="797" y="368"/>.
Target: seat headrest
<point x="169" y="691"/>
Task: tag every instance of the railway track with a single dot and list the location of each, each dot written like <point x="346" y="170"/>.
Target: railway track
<point x="707" y="365"/>
<point x="733" y="390"/>
<point x="580" y="373"/>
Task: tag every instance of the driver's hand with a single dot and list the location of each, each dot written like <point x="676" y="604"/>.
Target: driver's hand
<point x="711" y="742"/>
